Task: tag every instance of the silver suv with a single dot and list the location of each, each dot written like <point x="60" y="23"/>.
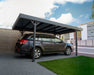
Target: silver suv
<point x="45" y="44"/>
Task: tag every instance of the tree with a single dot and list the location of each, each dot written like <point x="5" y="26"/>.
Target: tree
<point x="92" y="16"/>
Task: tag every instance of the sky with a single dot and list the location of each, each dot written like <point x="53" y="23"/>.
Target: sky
<point x="70" y="12"/>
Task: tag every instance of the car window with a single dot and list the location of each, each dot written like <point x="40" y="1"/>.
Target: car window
<point x="25" y="37"/>
<point x="35" y="39"/>
<point x="46" y="39"/>
<point x="56" y="40"/>
<point x="39" y="39"/>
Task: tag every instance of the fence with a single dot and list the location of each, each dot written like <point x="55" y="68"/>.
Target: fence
<point x="8" y="39"/>
<point x="85" y="43"/>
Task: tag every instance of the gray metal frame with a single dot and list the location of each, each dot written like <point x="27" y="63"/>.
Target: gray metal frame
<point x="23" y="22"/>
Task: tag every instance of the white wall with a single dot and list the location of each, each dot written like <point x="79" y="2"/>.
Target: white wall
<point x="71" y="36"/>
<point x="84" y="32"/>
<point x="66" y="37"/>
<point x="90" y="31"/>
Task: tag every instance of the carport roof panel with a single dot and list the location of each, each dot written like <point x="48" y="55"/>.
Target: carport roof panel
<point x="23" y="23"/>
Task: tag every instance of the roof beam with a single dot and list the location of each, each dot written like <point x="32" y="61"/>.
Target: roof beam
<point x="40" y="26"/>
<point x="49" y="27"/>
<point x="66" y="31"/>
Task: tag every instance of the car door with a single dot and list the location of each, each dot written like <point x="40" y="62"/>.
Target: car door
<point x="59" y="45"/>
<point x="47" y="44"/>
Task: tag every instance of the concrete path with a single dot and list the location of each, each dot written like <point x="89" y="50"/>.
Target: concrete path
<point x="54" y="56"/>
<point x="21" y="65"/>
<point x="11" y="65"/>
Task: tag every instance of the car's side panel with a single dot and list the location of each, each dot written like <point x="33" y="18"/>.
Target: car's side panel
<point x="47" y="45"/>
<point x="60" y="46"/>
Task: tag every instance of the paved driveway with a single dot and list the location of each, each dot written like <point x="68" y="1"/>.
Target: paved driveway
<point x="20" y="65"/>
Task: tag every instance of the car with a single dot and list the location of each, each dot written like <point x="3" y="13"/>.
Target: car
<point x="45" y="44"/>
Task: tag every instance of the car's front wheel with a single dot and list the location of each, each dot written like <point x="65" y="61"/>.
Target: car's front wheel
<point x="67" y="51"/>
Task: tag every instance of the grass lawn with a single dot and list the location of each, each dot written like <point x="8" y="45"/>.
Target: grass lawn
<point x="80" y="65"/>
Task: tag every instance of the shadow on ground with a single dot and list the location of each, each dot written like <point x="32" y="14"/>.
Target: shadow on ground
<point x="43" y="56"/>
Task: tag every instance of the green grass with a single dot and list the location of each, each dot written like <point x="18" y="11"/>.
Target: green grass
<point x="80" y="65"/>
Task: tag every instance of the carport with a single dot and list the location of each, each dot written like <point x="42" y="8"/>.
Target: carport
<point x="34" y="24"/>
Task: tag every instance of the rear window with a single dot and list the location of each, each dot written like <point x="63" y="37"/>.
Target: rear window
<point x="29" y="37"/>
<point x="26" y="37"/>
<point x="38" y="37"/>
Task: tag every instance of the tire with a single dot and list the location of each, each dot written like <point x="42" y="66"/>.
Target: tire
<point x="67" y="51"/>
<point x="38" y="53"/>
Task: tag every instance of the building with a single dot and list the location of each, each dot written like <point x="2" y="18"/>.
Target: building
<point x="88" y="31"/>
<point x="66" y="37"/>
<point x="86" y="34"/>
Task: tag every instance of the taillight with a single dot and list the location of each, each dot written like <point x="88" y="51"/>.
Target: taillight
<point x="23" y="41"/>
<point x="18" y="49"/>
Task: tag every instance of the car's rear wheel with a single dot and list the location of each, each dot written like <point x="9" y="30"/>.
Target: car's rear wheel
<point x="38" y="53"/>
<point x="67" y="51"/>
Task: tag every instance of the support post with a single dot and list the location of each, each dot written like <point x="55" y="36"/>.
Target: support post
<point x="34" y="36"/>
<point x="35" y="23"/>
<point x="76" y="44"/>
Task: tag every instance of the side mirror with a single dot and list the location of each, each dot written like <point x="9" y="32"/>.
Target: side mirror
<point x="72" y="43"/>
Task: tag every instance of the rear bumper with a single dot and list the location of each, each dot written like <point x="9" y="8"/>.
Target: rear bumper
<point x="22" y="51"/>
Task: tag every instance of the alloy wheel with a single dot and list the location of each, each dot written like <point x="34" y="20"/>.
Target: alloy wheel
<point x="68" y="52"/>
<point x="37" y="53"/>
